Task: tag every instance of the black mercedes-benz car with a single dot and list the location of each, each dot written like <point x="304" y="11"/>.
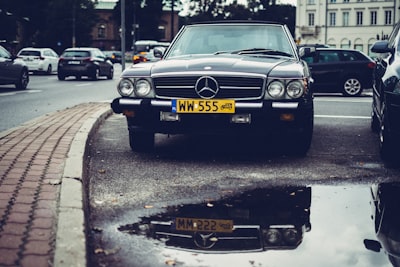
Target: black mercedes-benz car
<point x="13" y="70"/>
<point x="221" y="78"/>
<point x="386" y="95"/>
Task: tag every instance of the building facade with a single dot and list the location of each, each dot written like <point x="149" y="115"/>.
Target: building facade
<point x="354" y="24"/>
<point x="106" y="33"/>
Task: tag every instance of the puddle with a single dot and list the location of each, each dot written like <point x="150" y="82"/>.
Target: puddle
<point x="320" y="225"/>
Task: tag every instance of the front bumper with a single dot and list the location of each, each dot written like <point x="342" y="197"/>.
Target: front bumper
<point x="155" y="115"/>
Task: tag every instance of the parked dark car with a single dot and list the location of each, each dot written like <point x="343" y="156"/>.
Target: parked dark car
<point x="13" y="70"/>
<point x="86" y="61"/>
<point x="386" y="95"/>
<point x="343" y="71"/>
<point x="114" y="56"/>
<point x="385" y="198"/>
<point x="212" y="80"/>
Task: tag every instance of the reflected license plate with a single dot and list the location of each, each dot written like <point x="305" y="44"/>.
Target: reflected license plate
<point x="203" y="106"/>
<point x="203" y="225"/>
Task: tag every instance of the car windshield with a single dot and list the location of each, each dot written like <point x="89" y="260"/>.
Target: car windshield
<point x="76" y="54"/>
<point x="250" y="39"/>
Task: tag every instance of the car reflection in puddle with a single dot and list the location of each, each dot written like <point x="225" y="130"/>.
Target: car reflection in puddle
<point x="352" y="225"/>
<point x="257" y="220"/>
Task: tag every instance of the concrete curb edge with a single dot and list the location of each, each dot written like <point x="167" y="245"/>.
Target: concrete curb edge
<point x="71" y="233"/>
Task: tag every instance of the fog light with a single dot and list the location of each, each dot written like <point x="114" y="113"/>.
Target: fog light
<point x="291" y="236"/>
<point x="273" y="236"/>
<point x="169" y="116"/>
<point x="241" y="118"/>
<point x="287" y="117"/>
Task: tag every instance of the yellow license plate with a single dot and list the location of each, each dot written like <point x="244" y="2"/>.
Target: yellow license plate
<point x="204" y="225"/>
<point x="203" y="106"/>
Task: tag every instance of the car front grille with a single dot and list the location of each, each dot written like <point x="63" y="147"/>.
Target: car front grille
<point x="232" y="87"/>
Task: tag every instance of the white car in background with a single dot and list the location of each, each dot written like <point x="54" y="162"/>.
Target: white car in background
<point x="43" y="60"/>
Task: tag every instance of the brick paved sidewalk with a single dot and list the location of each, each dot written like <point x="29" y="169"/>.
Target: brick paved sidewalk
<point x="32" y="160"/>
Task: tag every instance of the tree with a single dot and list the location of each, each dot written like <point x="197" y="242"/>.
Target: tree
<point x="47" y="23"/>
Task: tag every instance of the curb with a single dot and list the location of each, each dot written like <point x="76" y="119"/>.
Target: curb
<point x="71" y="233"/>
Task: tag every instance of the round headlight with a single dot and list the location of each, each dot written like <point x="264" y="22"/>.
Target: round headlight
<point x="276" y="89"/>
<point x="273" y="236"/>
<point x="295" y="89"/>
<point x="125" y="87"/>
<point x="291" y="236"/>
<point x="142" y="88"/>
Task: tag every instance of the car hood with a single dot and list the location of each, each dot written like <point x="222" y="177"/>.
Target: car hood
<point x="270" y="66"/>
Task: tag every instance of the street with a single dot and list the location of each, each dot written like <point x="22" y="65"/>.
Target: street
<point x="46" y="94"/>
<point x="134" y="197"/>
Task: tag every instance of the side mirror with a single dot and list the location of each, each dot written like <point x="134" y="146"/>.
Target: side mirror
<point x="306" y="51"/>
<point x="381" y="47"/>
<point x="372" y="245"/>
<point x="159" y="51"/>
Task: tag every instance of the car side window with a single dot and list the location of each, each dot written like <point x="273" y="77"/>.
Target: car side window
<point x="308" y="59"/>
<point x="349" y="56"/>
<point x="328" y="56"/>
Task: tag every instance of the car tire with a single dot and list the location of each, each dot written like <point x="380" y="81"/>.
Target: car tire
<point x="23" y="80"/>
<point x="60" y="76"/>
<point x="49" y="69"/>
<point x="110" y="75"/>
<point x="374" y="122"/>
<point x="96" y="74"/>
<point x="387" y="145"/>
<point x="141" y="141"/>
<point x="352" y="86"/>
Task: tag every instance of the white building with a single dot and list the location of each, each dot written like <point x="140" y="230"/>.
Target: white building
<point x="355" y="24"/>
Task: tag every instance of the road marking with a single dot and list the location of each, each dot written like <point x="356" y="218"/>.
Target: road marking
<point x="20" y="92"/>
<point x="83" y="84"/>
<point x="343" y="117"/>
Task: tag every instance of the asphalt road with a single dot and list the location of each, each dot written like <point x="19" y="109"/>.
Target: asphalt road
<point x="126" y="191"/>
<point x="45" y="94"/>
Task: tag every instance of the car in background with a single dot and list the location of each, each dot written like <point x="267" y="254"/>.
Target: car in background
<point x="13" y="70"/>
<point x="386" y="95"/>
<point x="84" y="61"/>
<point x="144" y="50"/>
<point x="344" y="71"/>
<point x="213" y="81"/>
<point x="44" y="60"/>
<point x="114" y="56"/>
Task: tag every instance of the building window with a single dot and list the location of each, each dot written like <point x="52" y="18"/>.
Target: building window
<point x="374" y="15"/>
<point x="311" y="2"/>
<point x="359" y="18"/>
<point x="346" y="16"/>
<point x="346" y="1"/>
<point x="101" y="31"/>
<point x="332" y="19"/>
<point x="311" y="19"/>
<point x="332" y="1"/>
<point x="388" y="17"/>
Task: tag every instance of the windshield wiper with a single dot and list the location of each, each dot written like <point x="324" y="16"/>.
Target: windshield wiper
<point x="263" y="51"/>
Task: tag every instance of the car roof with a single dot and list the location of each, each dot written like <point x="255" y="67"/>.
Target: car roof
<point x="81" y="48"/>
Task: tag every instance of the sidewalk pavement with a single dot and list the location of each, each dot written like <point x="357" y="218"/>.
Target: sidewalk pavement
<point x="41" y="188"/>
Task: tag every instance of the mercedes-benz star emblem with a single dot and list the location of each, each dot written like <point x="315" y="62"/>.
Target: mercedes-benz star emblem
<point x="205" y="241"/>
<point x="206" y="87"/>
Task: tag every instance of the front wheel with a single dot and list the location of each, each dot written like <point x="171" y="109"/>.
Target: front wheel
<point x="23" y="80"/>
<point x="352" y="87"/>
<point x="387" y="145"/>
<point x="141" y="141"/>
<point x="96" y="74"/>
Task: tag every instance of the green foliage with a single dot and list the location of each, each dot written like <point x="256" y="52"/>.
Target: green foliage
<point x="48" y="23"/>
